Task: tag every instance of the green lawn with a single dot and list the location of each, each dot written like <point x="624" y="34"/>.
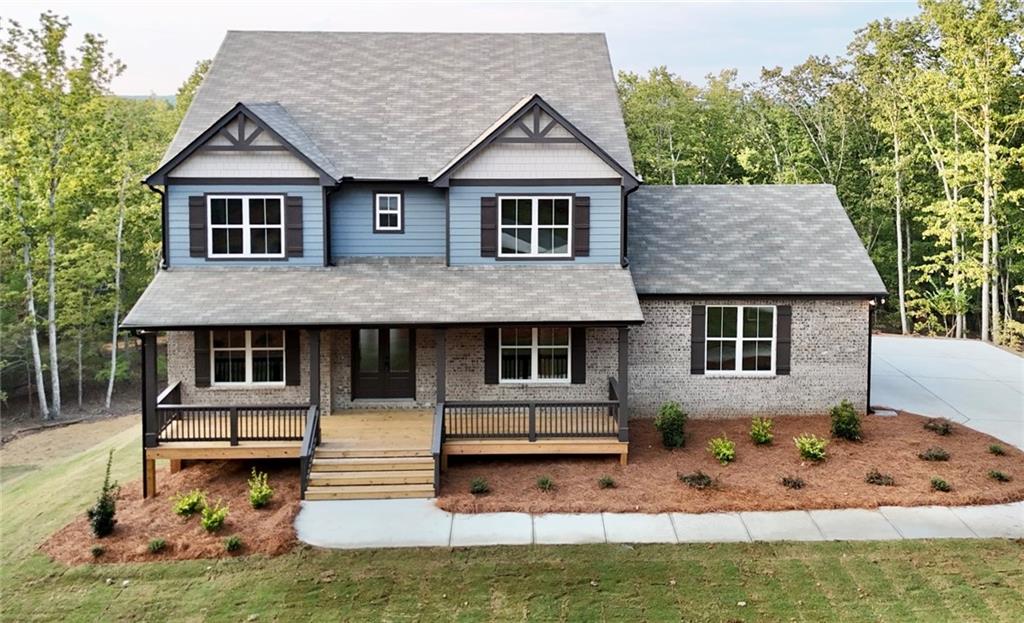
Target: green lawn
<point x="902" y="581"/>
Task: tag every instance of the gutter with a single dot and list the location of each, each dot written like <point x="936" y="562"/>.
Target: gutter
<point x="164" y="243"/>
<point x="624" y="224"/>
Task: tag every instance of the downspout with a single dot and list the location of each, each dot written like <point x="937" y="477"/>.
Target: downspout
<point x="164" y="245"/>
<point x="624" y="226"/>
<point x="328" y="191"/>
<point x="872" y="305"/>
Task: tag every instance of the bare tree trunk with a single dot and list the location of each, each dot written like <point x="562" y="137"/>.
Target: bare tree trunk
<point x="899" y="232"/>
<point x="51" y="303"/>
<point x="959" y="333"/>
<point x="37" y="361"/>
<point x="79" y="358"/>
<point x="117" y="290"/>
<point x="995" y="282"/>
<point x="986" y="218"/>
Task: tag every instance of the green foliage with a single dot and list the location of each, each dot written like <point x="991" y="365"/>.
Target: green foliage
<point x="697" y="480"/>
<point x="722" y="449"/>
<point x="996" y="449"/>
<point x="233" y="543"/>
<point x="157" y="545"/>
<point x="97" y="551"/>
<point x="479" y="486"/>
<point x="259" y="491"/>
<point x="999" y="476"/>
<point x="544" y="483"/>
<point x="606" y="482"/>
<point x="671" y="423"/>
<point x="939" y="426"/>
<point x="938" y="484"/>
<point x="811" y="447"/>
<point x="101" y="515"/>
<point x="793" y="482"/>
<point x="188" y="504"/>
<point x="934" y="453"/>
<point x="875" y="477"/>
<point x="212" y="517"/>
<point x="845" y="422"/>
<point x="761" y="430"/>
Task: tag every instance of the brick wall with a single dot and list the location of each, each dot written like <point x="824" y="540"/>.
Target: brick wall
<point x="829" y="362"/>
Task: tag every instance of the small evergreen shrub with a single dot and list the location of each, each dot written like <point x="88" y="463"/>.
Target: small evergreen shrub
<point x="671" y="423"/>
<point x="212" y="517"/>
<point x="811" y="447"/>
<point x="997" y="475"/>
<point x="544" y="483"/>
<point x="157" y="545"/>
<point x="697" y="480"/>
<point x="722" y="449"/>
<point x="934" y="454"/>
<point x="97" y="551"/>
<point x="997" y="450"/>
<point x="233" y="543"/>
<point x="188" y="504"/>
<point x="939" y="484"/>
<point x="479" y="486"/>
<point x="876" y="477"/>
<point x="761" y="430"/>
<point x="101" y="515"/>
<point x="260" y="491"/>
<point x="939" y="426"/>
<point x="845" y="422"/>
<point x="606" y="482"/>
<point x="793" y="482"/>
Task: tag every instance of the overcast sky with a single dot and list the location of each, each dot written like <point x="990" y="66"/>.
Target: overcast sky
<point x="160" y="42"/>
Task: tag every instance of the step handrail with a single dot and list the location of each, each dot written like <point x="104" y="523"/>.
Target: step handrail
<point x="435" y="446"/>
<point x="310" y="440"/>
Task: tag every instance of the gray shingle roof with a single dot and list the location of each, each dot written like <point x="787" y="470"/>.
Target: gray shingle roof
<point x="275" y="116"/>
<point x="375" y="291"/>
<point x="738" y="239"/>
<point x="401" y="105"/>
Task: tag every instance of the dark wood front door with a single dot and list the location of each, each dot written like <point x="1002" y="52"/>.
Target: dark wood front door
<point x="383" y="363"/>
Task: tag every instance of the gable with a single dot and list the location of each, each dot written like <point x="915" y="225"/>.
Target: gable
<point x="242" y="149"/>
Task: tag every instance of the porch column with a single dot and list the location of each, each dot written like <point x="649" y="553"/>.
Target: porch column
<point x="623" y="383"/>
<point x="314" y="366"/>
<point x="440" y="364"/>
<point x="150" y="428"/>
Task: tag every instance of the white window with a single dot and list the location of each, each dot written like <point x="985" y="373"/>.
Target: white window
<point x="246" y="226"/>
<point x="537" y="354"/>
<point x="387" y="212"/>
<point x="247" y="357"/>
<point x="740" y="338"/>
<point x="535" y="226"/>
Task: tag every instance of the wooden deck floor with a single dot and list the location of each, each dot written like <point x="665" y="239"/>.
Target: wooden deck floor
<point x="398" y="429"/>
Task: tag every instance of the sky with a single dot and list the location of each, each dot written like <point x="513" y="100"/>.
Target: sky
<point x="160" y="42"/>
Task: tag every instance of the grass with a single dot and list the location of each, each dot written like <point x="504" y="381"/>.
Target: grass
<point x="906" y="581"/>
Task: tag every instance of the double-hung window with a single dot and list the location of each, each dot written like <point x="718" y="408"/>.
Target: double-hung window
<point x="247" y="357"/>
<point x="740" y="338"/>
<point x="535" y="226"/>
<point x="246" y="226"/>
<point x="537" y="354"/>
<point x="387" y="212"/>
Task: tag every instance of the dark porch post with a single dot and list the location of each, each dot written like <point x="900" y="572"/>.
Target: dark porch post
<point x="623" y="383"/>
<point x="314" y="366"/>
<point x="150" y="427"/>
<point x="440" y="365"/>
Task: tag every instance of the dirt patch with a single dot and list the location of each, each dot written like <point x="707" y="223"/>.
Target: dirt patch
<point x="268" y="530"/>
<point x="58" y="441"/>
<point x="650" y="482"/>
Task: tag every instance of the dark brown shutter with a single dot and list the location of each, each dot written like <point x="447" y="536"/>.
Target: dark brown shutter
<point x="697" y="330"/>
<point x="581" y="227"/>
<point x="783" y="341"/>
<point x="197" y="226"/>
<point x="291" y="357"/>
<point x="489" y="227"/>
<point x="491" y="356"/>
<point x="293" y="225"/>
<point x="579" y="355"/>
<point x="202" y="358"/>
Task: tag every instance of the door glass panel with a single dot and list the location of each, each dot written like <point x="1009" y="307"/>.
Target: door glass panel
<point x="398" y="345"/>
<point x="369" y="350"/>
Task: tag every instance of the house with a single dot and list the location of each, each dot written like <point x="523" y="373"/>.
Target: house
<point x="381" y="250"/>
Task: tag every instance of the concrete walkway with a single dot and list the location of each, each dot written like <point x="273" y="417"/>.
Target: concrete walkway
<point x="967" y="381"/>
<point x="360" y="524"/>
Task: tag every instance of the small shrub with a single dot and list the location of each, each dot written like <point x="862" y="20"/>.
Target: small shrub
<point x="233" y="543"/>
<point x="934" y="454"/>
<point x="697" y="480"/>
<point x="188" y="504"/>
<point x="876" y="477"/>
<point x="995" y="474"/>
<point x="997" y="450"/>
<point x="606" y="482"/>
<point x="97" y="551"/>
<point x="101" y="515"/>
<point x="939" y="484"/>
<point x="793" y="482"/>
<point x="259" y="491"/>
<point x="811" y="447"/>
<point x="157" y="545"/>
<point x="722" y="449"/>
<point x="544" y="483"/>
<point x="479" y="486"/>
<point x="671" y="423"/>
<point x="939" y="426"/>
<point x="845" y="421"/>
<point x="761" y="430"/>
<point x="212" y="517"/>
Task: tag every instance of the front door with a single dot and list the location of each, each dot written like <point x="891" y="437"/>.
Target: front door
<point x="383" y="363"/>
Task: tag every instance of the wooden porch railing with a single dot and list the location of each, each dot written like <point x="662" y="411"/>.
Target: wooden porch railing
<point x="310" y="440"/>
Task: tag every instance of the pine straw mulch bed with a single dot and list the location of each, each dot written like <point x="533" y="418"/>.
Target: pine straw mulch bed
<point x="752" y="482"/>
<point x="268" y="530"/>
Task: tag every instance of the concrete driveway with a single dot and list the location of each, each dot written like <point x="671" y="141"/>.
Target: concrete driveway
<point x="966" y="381"/>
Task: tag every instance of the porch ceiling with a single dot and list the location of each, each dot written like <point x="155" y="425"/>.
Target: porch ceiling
<point x="385" y="292"/>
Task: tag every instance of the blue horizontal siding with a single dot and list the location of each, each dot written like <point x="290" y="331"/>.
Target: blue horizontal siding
<point x="605" y="202"/>
<point x="352" y="232"/>
<point x="312" y="223"/>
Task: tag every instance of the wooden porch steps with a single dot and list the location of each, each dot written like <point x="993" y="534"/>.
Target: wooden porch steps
<point x="345" y="473"/>
<point x="368" y="492"/>
<point x="392" y="477"/>
<point x="338" y="451"/>
<point x="375" y="464"/>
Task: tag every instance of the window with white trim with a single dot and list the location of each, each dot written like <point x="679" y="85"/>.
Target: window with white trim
<point x="535" y="226"/>
<point x="246" y="226"/>
<point x="240" y="357"/>
<point x="740" y="338"/>
<point x="534" y="354"/>
<point x="387" y="212"/>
